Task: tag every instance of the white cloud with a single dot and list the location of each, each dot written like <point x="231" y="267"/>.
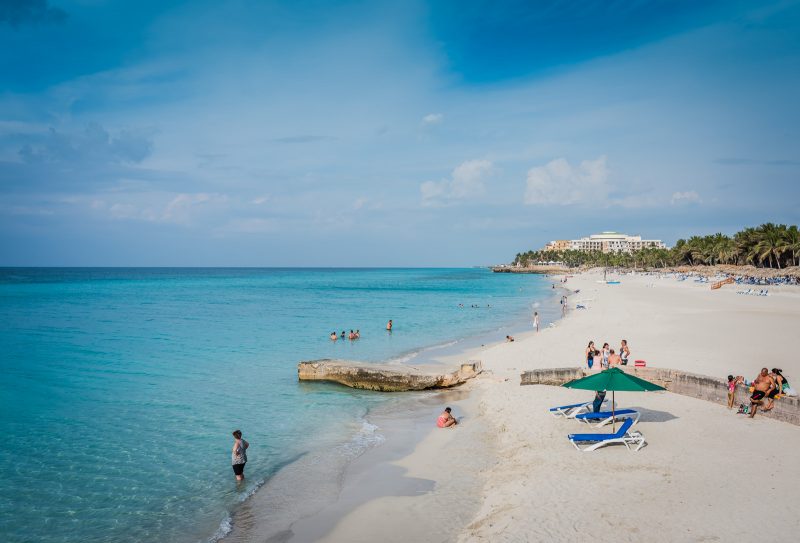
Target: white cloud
<point x="359" y="203"/>
<point x="432" y="119"/>
<point x="180" y="208"/>
<point x="688" y="197"/>
<point x="260" y="200"/>
<point x="253" y="225"/>
<point x="558" y="182"/>
<point x="466" y="181"/>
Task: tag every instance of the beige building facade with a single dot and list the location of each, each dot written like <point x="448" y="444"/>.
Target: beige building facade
<point x="606" y="242"/>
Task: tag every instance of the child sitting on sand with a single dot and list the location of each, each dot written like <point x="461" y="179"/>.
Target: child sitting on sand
<point x="446" y="420"/>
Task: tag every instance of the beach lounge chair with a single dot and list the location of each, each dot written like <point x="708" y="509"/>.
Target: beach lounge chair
<point x="605" y="417"/>
<point x="571" y="411"/>
<point x="567" y="410"/>
<point x="624" y="435"/>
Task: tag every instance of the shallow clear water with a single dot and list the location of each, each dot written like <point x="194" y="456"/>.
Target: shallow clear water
<point x="121" y="386"/>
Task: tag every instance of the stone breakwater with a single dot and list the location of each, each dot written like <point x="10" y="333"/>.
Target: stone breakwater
<point x="382" y="377"/>
<point x="787" y="408"/>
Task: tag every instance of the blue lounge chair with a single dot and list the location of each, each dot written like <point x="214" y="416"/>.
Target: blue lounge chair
<point x="605" y="417"/>
<point x="624" y="435"/>
<point x="569" y="411"/>
<point x="573" y="410"/>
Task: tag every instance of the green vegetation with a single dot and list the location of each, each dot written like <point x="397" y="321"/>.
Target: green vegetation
<point x="768" y="246"/>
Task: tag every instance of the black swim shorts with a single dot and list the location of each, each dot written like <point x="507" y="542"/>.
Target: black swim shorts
<point x="758" y="395"/>
<point x="774" y="393"/>
<point x="238" y="469"/>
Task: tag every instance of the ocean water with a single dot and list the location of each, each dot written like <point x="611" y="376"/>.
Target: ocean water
<point x="120" y="387"/>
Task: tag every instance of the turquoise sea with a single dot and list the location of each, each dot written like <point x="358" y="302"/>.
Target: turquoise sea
<point x="121" y="387"/>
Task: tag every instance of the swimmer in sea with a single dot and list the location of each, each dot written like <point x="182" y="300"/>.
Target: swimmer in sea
<point x="334" y="337"/>
<point x="389" y="325"/>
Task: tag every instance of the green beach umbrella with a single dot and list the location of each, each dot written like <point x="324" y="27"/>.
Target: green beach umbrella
<point x="613" y="379"/>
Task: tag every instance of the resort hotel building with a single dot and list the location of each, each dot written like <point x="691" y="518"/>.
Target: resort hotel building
<point x="606" y="242"/>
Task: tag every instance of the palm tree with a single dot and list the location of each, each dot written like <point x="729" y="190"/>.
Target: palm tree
<point x="792" y="244"/>
<point x="769" y="245"/>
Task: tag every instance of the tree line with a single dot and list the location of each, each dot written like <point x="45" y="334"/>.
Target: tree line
<point x="766" y="246"/>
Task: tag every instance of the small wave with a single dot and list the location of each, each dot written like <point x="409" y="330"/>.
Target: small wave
<point x="366" y="438"/>
<point x="224" y="529"/>
<point x="407" y="357"/>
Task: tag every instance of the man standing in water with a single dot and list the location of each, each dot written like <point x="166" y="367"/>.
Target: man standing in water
<point x="763" y="385"/>
<point x="389" y="325"/>
<point x="239" y="455"/>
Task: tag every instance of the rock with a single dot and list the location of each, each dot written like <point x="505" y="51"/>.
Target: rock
<point x="384" y="378"/>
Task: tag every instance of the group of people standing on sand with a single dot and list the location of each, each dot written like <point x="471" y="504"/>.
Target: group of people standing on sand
<point x="607" y="358"/>
<point x="769" y="385"/>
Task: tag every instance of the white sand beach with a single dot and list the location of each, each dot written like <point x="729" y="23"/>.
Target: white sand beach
<point x="508" y="472"/>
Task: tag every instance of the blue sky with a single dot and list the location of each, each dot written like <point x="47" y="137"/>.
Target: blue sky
<point x="387" y="133"/>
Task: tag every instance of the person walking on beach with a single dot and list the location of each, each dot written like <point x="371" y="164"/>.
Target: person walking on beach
<point x="589" y="354"/>
<point x="389" y="325"/>
<point x="446" y="419"/>
<point x="763" y="385"/>
<point x="599" y="398"/>
<point x="624" y="352"/>
<point x="536" y="320"/>
<point x="239" y="455"/>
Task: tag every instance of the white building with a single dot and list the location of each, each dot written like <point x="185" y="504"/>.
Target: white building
<point x="609" y="242"/>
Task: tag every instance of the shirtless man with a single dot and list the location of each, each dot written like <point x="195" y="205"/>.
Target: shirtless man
<point x="763" y="385"/>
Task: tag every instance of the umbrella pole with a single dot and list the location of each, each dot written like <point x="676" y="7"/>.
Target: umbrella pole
<point x="613" y="415"/>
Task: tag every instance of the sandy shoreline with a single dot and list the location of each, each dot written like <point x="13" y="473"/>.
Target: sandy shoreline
<point x="509" y="473"/>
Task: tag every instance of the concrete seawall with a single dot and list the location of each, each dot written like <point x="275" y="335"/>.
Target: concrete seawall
<point x="787" y="408"/>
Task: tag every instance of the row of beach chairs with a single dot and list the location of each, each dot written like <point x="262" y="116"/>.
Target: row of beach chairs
<point x="592" y="441"/>
<point x="752" y="292"/>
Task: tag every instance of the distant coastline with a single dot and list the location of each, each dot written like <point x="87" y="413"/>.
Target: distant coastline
<point x="544" y="270"/>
